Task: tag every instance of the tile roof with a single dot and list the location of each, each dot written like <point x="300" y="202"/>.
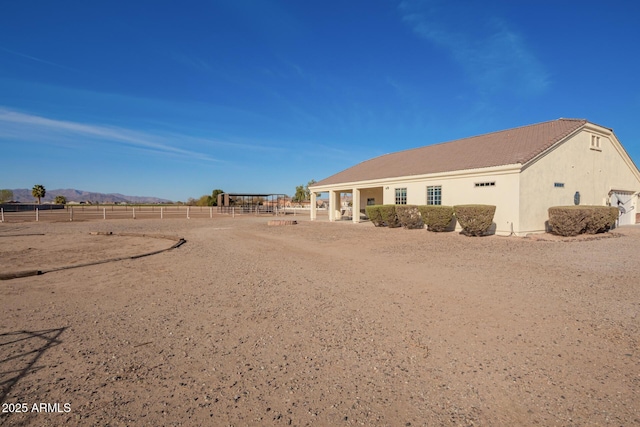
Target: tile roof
<point x="518" y="145"/>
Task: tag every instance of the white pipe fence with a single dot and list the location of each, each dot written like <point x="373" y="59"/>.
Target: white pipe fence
<point x="101" y="212"/>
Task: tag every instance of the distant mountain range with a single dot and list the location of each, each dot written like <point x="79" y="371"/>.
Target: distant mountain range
<point x="23" y="195"/>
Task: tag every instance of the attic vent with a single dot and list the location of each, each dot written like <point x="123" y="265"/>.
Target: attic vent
<point x="486" y="184"/>
<point x="595" y="143"/>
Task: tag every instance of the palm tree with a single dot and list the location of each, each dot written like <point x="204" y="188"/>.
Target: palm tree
<point x="38" y="191"/>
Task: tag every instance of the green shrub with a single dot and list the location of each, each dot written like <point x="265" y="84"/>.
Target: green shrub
<point x="574" y="220"/>
<point x="436" y="217"/>
<point x="475" y="220"/>
<point x="409" y="216"/>
<point x="568" y="220"/>
<point x="389" y="217"/>
<point x="602" y="219"/>
<point x="374" y="214"/>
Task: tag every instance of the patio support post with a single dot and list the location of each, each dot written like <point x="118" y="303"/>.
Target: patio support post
<point x="332" y="205"/>
<point x="313" y="206"/>
<point x="355" y="205"/>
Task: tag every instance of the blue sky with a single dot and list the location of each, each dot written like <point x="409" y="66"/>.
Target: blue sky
<point x="173" y="99"/>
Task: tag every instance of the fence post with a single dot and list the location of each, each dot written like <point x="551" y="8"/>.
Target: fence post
<point x="104" y="213"/>
<point x="188" y="207"/>
<point x="134" y="212"/>
<point x="70" y="214"/>
<point x="161" y="212"/>
<point x="36" y="214"/>
<point x="2" y="212"/>
<point x="233" y="212"/>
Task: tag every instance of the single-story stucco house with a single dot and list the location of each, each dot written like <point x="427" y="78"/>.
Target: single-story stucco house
<point x="522" y="171"/>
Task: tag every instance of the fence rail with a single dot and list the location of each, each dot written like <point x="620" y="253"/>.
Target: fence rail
<point x="97" y="212"/>
<point x="83" y="213"/>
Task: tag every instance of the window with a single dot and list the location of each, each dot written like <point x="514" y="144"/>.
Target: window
<point x="558" y="184"/>
<point x="486" y="184"/>
<point x="595" y="142"/>
<point x="371" y="201"/>
<point x="401" y="196"/>
<point x="434" y="195"/>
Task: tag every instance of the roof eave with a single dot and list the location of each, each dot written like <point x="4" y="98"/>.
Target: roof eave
<point x="491" y="170"/>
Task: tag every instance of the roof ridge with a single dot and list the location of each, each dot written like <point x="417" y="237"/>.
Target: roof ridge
<point x="510" y="129"/>
<point x="475" y="136"/>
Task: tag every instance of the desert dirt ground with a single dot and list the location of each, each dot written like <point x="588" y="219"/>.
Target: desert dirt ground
<point x="317" y="323"/>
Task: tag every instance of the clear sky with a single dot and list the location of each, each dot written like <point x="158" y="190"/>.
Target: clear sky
<point x="175" y="98"/>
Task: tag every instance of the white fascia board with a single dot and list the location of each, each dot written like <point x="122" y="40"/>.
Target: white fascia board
<point x="480" y="172"/>
<point x="617" y="145"/>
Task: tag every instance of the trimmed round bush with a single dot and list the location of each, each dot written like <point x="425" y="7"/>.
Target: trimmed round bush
<point x="475" y="220"/>
<point x="574" y="220"/>
<point x="567" y="220"/>
<point x="602" y="219"/>
<point x="389" y="217"/>
<point x="374" y="214"/>
<point x="409" y="216"/>
<point x="436" y="217"/>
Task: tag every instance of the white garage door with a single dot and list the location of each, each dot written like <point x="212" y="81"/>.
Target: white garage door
<point x="624" y="200"/>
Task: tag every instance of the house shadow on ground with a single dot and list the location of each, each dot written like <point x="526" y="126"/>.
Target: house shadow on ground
<point x="19" y="355"/>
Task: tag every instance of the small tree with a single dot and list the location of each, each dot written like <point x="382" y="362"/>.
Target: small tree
<point x="301" y="194"/>
<point x="61" y="200"/>
<point x="38" y="191"/>
<point x="204" y="201"/>
<point x="6" y="196"/>
<point x="214" y="196"/>
<point x="307" y="192"/>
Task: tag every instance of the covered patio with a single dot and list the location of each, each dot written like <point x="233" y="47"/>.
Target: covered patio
<point x="340" y="207"/>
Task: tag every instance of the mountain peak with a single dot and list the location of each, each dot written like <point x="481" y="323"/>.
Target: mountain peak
<point x="23" y="195"/>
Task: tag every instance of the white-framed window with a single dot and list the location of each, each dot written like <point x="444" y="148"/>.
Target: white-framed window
<point x="485" y="184"/>
<point x="401" y="196"/>
<point x="434" y="195"/>
<point x="595" y="143"/>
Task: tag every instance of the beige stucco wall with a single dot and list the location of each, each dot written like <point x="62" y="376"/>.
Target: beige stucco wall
<point x="370" y="193"/>
<point x="459" y="188"/>
<point x="593" y="173"/>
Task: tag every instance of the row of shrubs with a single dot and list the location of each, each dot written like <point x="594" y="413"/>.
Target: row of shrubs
<point x="574" y="220"/>
<point x="475" y="220"/>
